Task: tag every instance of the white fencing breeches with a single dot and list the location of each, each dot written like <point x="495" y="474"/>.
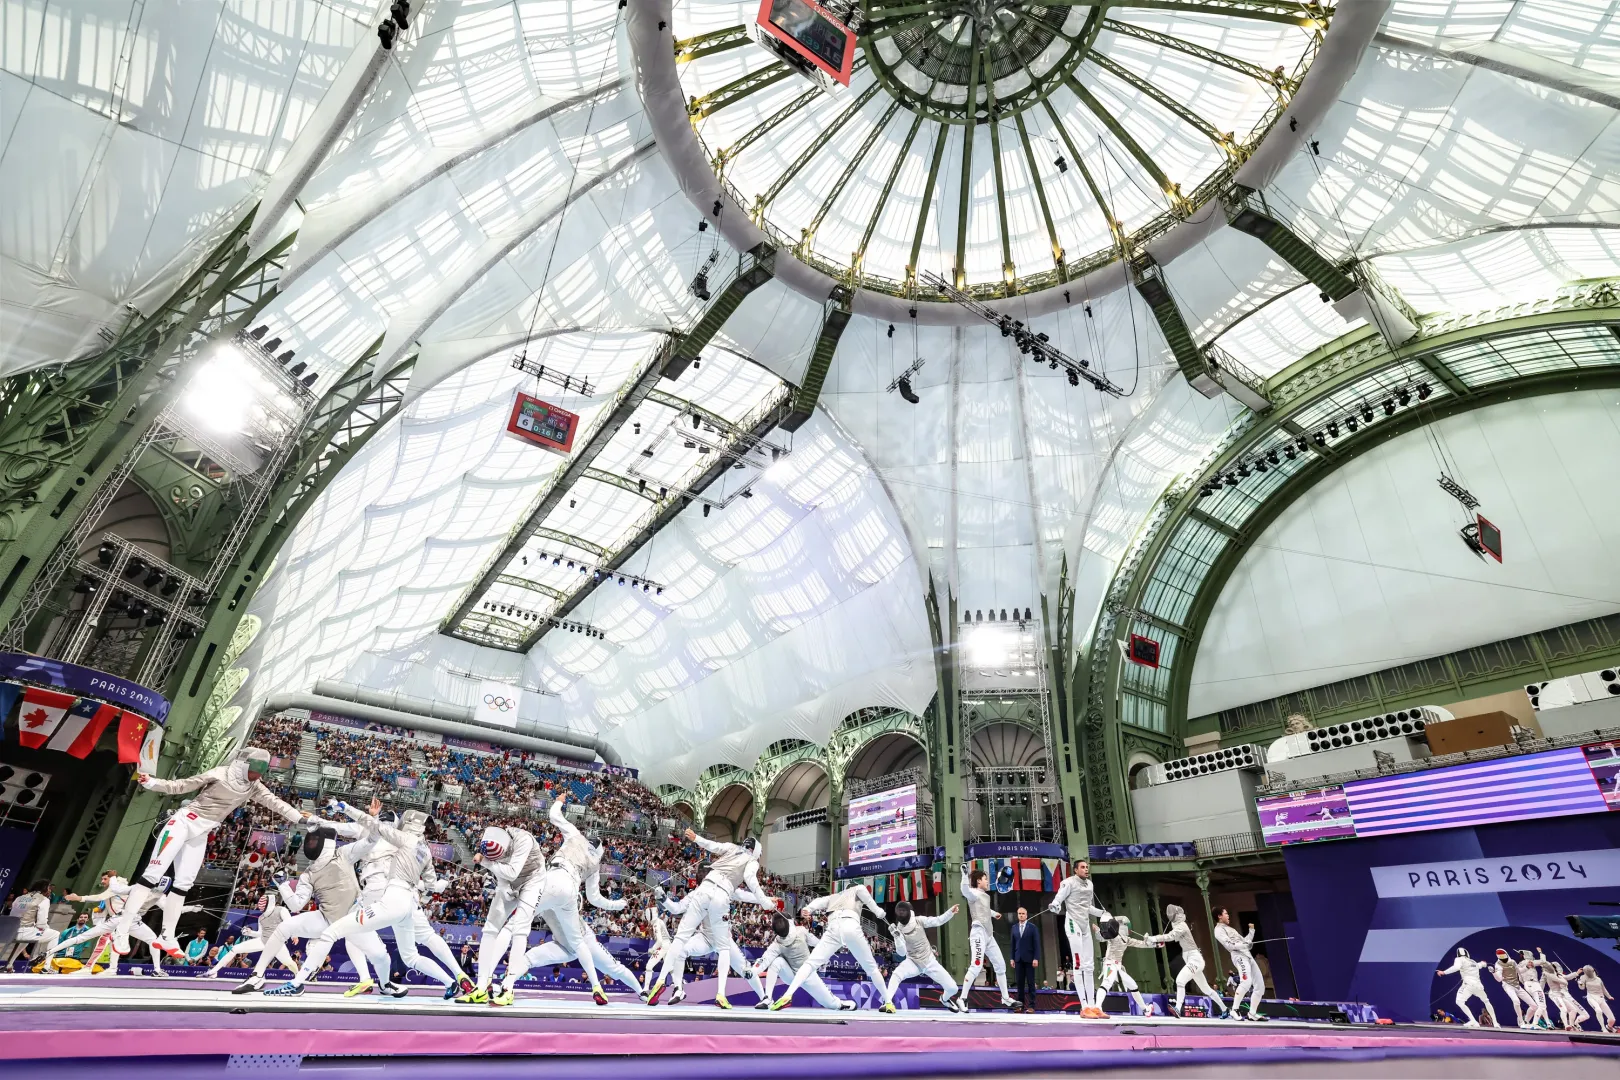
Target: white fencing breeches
<point x="1601" y="1011"/>
<point x="843" y="932"/>
<point x="1570" y="1014"/>
<point x="982" y="949"/>
<point x="558" y="905"/>
<point x="654" y="955"/>
<point x="708" y="914"/>
<point x="1114" y="971"/>
<point x="1250" y="982"/>
<point x="552" y="952"/>
<point x="424" y="933"/>
<point x="1536" y="998"/>
<point x="813" y="984"/>
<point x="933" y="969"/>
<point x="1474" y="989"/>
<point x="1082" y="960"/>
<point x="363" y="922"/>
<point x="1192" y="970"/>
<point x="181" y="845"/>
<point x="405" y="932"/>
<point x="41" y="940"/>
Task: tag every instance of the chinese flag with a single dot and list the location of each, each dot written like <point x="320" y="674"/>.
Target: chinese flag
<point x="42" y="711"/>
<point x="81" y="728"/>
<point x="131" y="730"/>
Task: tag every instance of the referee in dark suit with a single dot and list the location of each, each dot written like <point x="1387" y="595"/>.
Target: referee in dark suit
<point x="1026" y="957"/>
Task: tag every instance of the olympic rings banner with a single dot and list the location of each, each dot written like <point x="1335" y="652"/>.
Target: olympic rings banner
<point x="497" y="704"/>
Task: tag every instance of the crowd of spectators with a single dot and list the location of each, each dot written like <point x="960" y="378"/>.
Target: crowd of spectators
<point x="505" y="788"/>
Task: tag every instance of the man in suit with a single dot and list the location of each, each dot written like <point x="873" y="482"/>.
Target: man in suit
<point x="1026" y="957"/>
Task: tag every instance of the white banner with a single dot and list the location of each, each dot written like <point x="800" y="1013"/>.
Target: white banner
<point x="497" y="704"/>
<point x="1554" y="870"/>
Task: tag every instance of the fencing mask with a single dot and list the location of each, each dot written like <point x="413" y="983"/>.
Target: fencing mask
<point x="315" y="842"/>
<point x="413" y="822"/>
<point x="902" y="913"/>
<point x="780" y="926"/>
<point x="1174" y="912"/>
<point x="495" y="842"/>
<point x="1108" y="929"/>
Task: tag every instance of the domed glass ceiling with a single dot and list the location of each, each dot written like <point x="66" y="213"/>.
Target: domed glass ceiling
<point x="1007" y="146"/>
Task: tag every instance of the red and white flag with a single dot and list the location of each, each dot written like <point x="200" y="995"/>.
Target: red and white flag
<point x="42" y="711"/>
<point x="131" y="731"/>
<point x="81" y="728"/>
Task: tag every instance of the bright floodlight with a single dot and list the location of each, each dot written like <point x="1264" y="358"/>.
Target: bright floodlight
<point x="988" y="646"/>
<point x="223" y="390"/>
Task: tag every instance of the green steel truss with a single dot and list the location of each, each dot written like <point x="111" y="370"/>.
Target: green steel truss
<point x="1167" y="584"/>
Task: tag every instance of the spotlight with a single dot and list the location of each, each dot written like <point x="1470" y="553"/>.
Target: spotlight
<point x="1289" y="451"/>
<point x="1243" y="470"/>
<point x="105" y="553"/>
<point x="285" y="358"/>
<point x="700" y="285"/>
<point x="903" y="385"/>
<point x="1074" y="378"/>
<point x="308" y="380"/>
<point x="272" y="345"/>
<point x="152" y="578"/>
<point x="1003" y="614"/>
<point x="136" y="567"/>
<point x="1423" y="391"/>
<point x="1319" y="439"/>
<point x="1366" y="412"/>
<point x="86" y="585"/>
<point x="706" y="509"/>
<point x="401" y="11"/>
<point x="1062" y="166"/>
<point x="297" y="369"/>
<point x="1389" y="406"/>
<point x="385" y="33"/>
<point x="1271" y="456"/>
<point x="1404" y="396"/>
<point x="891" y="330"/>
<point x="1303" y="444"/>
<point x="1027" y="614"/>
<point x="1351" y="423"/>
<point x="1333" y="429"/>
<point x="1260" y="467"/>
<point x="258" y="332"/>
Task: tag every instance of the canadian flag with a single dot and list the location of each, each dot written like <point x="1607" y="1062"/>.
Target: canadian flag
<point x="81" y="728"/>
<point x="42" y="711"/>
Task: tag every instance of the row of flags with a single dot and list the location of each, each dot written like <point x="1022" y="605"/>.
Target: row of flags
<point x="905" y="885"/>
<point x="72" y="724"/>
<point x="1028" y="875"/>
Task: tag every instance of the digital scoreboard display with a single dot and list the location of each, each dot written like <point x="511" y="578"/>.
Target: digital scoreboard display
<point x="811" y="32"/>
<point x="542" y="424"/>
<point x="1527" y="787"/>
<point x="883" y="825"/>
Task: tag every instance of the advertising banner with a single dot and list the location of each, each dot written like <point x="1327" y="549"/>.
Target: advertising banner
<point x="84" y="682"/>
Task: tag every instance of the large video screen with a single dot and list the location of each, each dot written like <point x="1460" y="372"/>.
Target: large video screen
<point x="883" y="825"/>
<point x="1555" y="783"/>
<point x="813" y="33"/>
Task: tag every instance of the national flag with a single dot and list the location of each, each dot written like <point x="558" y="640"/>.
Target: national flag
<point x="81" y="728"/>
<point x="880" y="889"/>
<point x="1029" y="874"/>
<point x="919" y="884"/>
<point x="147" y="760"/>
<point x="1050" y="877"/>
<point x="42" y="711"/>
<point x="131" y="730"/>
<point x="9" y="693"/>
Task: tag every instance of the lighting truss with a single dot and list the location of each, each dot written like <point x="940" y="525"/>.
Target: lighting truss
<point x="569" y="383"/>
<point x="529" y="615"/>
<point x="1038" y="347"/>
<point x="906" y="375"/>
<point x="525" y="687"/>
<point x="599" y="573"/>
<point x="734" y="446"/>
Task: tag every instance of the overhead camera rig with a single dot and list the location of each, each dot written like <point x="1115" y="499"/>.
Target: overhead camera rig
<point x="902" y="381"/>
<point x="1036" y="346"/>
<point x="569" y="383"/>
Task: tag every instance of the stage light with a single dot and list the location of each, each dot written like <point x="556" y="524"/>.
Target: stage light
<point x="1243" y="470"/>
<point x="1404" y="396"/>
<point x="152" y="578"/>
<point x="1366" y="412"/>
<point x="285" y="358"/>
<point x="297" y="369"/>
<point x="706" y="509"/>
<point x="1027" y="615"/>
<point x="1333" y="429"/>
<point x="105" y="553"/>
<point x="1062" y="166"/>
<point x="1302" y="443"/>
<point x="258" y="332"/>
<point x="1389" y="406"/>
<point x="1289" y="451"/>
<point x="86" y="585"/>
<point x="1319" y="439"/>
<point x="1423" y="391"/>
<point x="136" y="567"/>
<point x="1260" y="467"/>
<point x="1271" y="456"/>
<point x="1351" y="423"/>
<point x="903" y="385"/>
<point x="272" y="345"/>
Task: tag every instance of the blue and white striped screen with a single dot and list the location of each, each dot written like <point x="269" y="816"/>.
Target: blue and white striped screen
<point x="1551" y="784"/>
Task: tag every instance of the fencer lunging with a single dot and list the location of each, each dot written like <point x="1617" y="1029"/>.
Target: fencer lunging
<point x="1240" y="948"/>
<point x="388" y="905"/>
<point x="699" y="944"/>
<point x="1076" y="903"/>
<point x="255" y="939"/>
<point x="916" y="953"/>
<point x="1192" y="959"/>
<point x="708" y="909"/>
<point x="393" y="876"/>
<point x="790" y="949"/>
<point x="576" y="864"/>
<point x="184" y="839"/>
<point x="514" y="858"/>
<point x="982" y="945"/>
<point x="843" y="931"/>
<point x="114" y="899"/>
<point x="1114" y="965"/>
<point x="329" y="888"/>
<point x="1472" y="986"/>
<point x="1535" y="993"/>
<point x="1597" y="996"/>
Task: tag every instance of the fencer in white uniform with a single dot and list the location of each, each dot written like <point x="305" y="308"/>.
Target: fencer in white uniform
<point x="1114" y="965"/>
<point x="1076" y="903"/>
<point x="517" y="863"/>
<point x="1597" y="996"/>
<point x="577" y="864"/>
<point x="115" y="899"/>
<point x="708" y="907"/>
<point x="982" y="947"/>
<point x="553" y="952"/>
<point x="254" y="939"/>
<point x="32" y="910"/>
<point x="329" y="884"/>
<point x="184" y="839"/>
<point x="843" y="931"/>
<point x="660" y="945"/>
<point x="916" y="952"/>
<point x="1240" y="947"/>
<point x="699" y="944"/>
<point x="1535" y="992"/>
<point x="1570" y="1014"/>
<point x="1472" y="986"/>
<point x="391" y="877"/>
<point x="789" y="950"/>
<point x="1192" y="959"/>
<point x="1506" y="972"/>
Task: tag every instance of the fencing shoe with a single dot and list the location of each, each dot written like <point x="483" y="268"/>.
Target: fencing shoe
<point x="451" y="990"/>
<point x="847" y="1006"/>
<point x="249" y="985"/>
<point x="781" y="1003"/>
<point x="503" y="997"/>
<point x="477" y="997"/>
<point x="288" y="989"/>
<point x="394" y="990"/>
<point x="657" y="992"/>
<point x="887" y="1007"/>
<point x="211" y="973"/>
<point x="465" y="985"/>
<point x="720" y="1002"/>
<point x="365" y="986"/>
<point x="598" y="995"/>
<point x="678" y="996"/>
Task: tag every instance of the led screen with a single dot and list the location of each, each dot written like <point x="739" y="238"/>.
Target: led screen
<point x="883" y="825"/>
<point x="812" y="33"/>
<point x="1555" y="783"/>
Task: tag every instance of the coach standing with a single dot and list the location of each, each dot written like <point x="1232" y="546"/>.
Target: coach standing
<point x="1026" y="956"/>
